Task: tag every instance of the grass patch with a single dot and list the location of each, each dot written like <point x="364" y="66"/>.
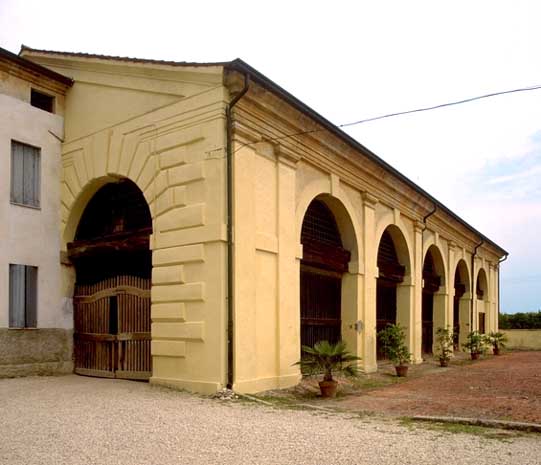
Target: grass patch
<point x="461" y="428"/>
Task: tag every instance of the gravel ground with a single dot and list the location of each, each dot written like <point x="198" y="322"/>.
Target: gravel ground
<point x="76" y="420"/>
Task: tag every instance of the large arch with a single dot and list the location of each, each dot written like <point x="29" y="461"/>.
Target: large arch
<point x="393" y="287"/>
<point x="461" y="303"/>
<point x="482" y="294"/>
<point x="433" y="297"/>
<point x="345" y="250"/>
<point x="111" y="255"/>
<point x="83" y="196"/>
<point x="341" y="206"/>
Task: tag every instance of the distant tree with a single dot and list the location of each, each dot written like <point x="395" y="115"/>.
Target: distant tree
<point x="526" y="320"/>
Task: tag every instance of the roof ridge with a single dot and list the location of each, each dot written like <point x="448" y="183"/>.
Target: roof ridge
<point x="25" y="48"/>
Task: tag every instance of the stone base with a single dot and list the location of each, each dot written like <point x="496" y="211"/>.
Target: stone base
<point x="35" y="352"/>
<point x="253" y="386"/>
<point x="200" y="387"/>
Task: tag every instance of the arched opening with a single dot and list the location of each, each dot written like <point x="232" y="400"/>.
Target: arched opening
<point x="112" y="260"/>
<point x="391" y="275"/>
<point x="481" y="291"/>
<point x="461" y="304"/>
<point x="433" y="305"/>
<point x="323" y="264"/>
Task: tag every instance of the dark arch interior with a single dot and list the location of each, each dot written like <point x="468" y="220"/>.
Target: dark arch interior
<point x="479" y="288"/>
<point x="116" y="208"/>
<point x="324" y="261"/>
<point x="460" y="290"/>
<point x="391" y="273"/>
<point x="431" y="283"/>
<point x="113" y="235"/>
<point x="319" y="226"/>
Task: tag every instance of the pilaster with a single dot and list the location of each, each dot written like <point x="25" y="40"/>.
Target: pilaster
<point x="368" y="339"/>
<point x="450" y="284"/>
<point x="288" y="324"/>
<point x="417" y="273"/>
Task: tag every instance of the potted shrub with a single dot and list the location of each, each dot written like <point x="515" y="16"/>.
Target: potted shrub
<point x="393" y="341"/>
<point x="444" y="344"/>
<point x="476" y="344"/>
<point x="328" y="358"/>
<point x="497" y="340"/>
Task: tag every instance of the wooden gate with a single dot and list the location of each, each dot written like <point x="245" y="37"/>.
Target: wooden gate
<point x="112" y="328"/>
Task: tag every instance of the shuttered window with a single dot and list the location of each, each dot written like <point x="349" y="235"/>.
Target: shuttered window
<point x="25" y="174"/>
<point x="23" y="293"/>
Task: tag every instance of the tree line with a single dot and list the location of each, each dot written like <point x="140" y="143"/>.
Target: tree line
<point x="526" y="320"/>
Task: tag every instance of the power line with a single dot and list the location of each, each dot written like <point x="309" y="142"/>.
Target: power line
<point x="406" y="112"/>
<point x="443" y="105"/>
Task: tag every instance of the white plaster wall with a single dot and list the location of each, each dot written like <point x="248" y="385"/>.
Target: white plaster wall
<point x="31" y="236"/>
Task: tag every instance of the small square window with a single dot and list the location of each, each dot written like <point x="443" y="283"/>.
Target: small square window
<point x="42" y="101"/>
<point x="23" y="296"/>
<point x="25" y="174"/>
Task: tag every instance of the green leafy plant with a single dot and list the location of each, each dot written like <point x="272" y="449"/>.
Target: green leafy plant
<point x="444" y="345"/>
<point x="497" y="340"/>
<point x="476" y="343"/>
<point x="328" y="358"/>
<point x="393" y="341"/>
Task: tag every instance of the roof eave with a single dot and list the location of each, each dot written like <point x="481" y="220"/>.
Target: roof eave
<point x="34" y="67"/>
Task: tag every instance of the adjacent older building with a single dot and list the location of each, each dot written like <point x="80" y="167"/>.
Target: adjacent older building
<point x="210" y="223"/>
<point x="35" y="322"/>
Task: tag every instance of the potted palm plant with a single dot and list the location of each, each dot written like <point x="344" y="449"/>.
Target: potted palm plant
<point x="393" y="341"/>
<point x="497" y="340"/>
<point x="328" y="358"/>
<point x="476" y="344"/>
<point x="444" y="345"/>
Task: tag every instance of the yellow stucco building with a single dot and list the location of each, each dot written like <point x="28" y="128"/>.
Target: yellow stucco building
<point x="210" y="223"/>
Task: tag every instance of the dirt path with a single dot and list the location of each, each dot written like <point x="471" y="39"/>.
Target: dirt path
<point x="507" y="387"/>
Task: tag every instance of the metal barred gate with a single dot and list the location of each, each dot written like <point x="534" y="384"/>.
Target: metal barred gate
<point x="323" y="263"/>
<point x="112" y="328"/>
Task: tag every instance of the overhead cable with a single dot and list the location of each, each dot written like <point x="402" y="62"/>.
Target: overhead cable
<point x="400" y="113"/>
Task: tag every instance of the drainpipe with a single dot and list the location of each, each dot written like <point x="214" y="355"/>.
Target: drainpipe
<point x="499" y="307"/>
<point x="426" y="218"/>
<point x="473" y="283"/>
<point x="229" y="175"/>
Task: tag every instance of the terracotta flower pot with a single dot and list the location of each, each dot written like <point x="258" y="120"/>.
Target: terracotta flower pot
<point x="401" y="370"/>
<point x="475" y="355"/>
<point x="328" y="388"/>
<point x="444" y="362"/>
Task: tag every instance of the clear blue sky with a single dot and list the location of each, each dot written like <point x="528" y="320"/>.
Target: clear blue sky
<point x="353" y="60"/>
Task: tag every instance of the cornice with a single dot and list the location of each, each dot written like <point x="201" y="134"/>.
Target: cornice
<point x="35" y="78"/>
<point x="253" y="124"/>
<point x="275" y="99"/>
